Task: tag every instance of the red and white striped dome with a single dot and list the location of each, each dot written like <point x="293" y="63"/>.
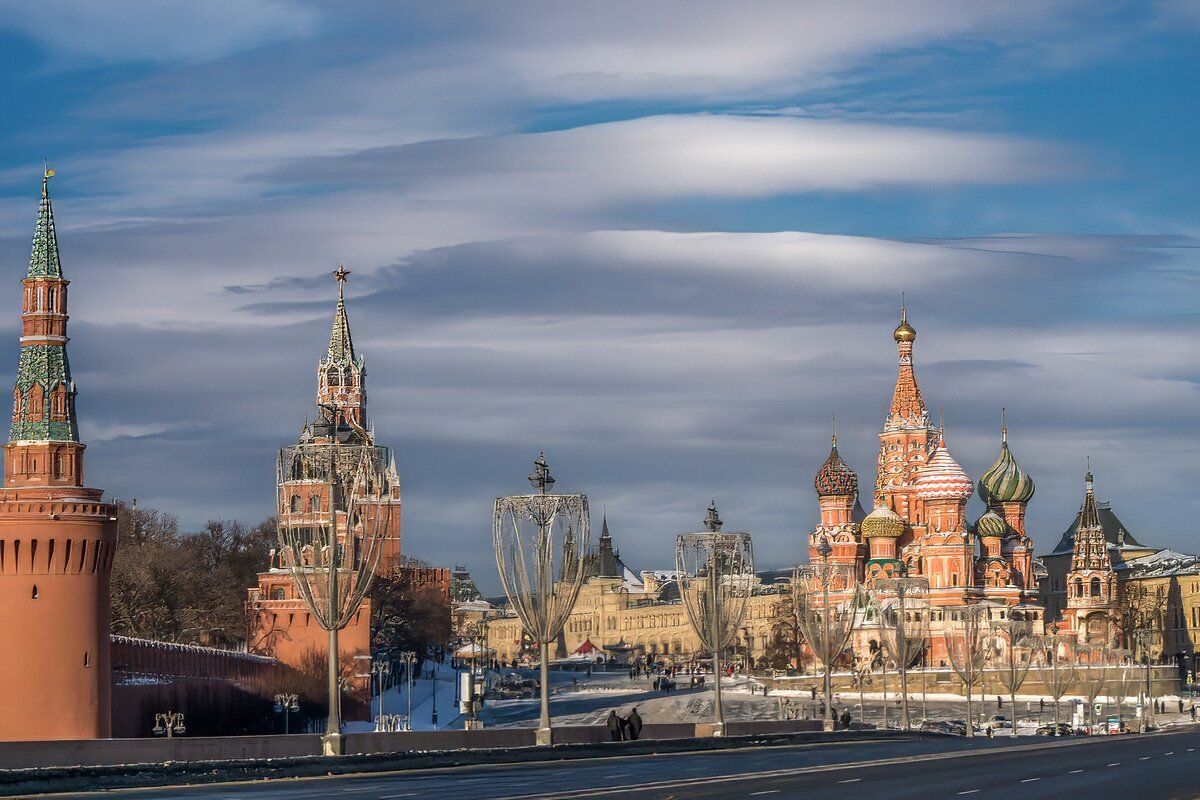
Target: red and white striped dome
<point x="943" y="479"/>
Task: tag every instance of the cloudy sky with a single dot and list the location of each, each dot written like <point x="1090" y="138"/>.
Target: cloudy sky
<point x="663" y="242"/>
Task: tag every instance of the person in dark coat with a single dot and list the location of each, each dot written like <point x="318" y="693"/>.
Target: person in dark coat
<point x="846" y="718"/>
<point x="614" y="725"/>
<point x="635" y="724"/>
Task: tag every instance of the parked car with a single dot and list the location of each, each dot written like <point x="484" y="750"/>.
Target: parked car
<point x="1056" y="729"/>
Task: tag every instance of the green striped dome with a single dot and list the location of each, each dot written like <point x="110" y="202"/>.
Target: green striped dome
<point x="1005" y="481"/>
<point x="991" y="525"/>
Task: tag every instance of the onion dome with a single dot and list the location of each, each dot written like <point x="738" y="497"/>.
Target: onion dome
<point x="835" y="478"/>
<point x="991" y="525"/>
<point x="943" y="479"/>
<point x="883" y="523"/>
<point x="904" y="332"/>
<point x="1005" y="481"/>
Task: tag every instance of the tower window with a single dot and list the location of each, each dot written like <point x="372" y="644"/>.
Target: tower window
<point x="35" y="592"/>
<point x="295" y="503"/>
<point x="87" y="659"/>
<point x="1095" y="587"/>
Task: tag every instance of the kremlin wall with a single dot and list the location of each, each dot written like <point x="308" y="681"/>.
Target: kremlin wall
<point x="58" y="539"/>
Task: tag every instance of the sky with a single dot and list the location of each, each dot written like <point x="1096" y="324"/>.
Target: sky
<point x="665" y="243"/>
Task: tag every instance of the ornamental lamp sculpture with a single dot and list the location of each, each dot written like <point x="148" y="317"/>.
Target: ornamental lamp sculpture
<point x="827" y="599"/>
<point x="715" y="570"/>
<point x="333" y="550"/>
<point x="904" y="615"/>
<point x="541" y="543"/>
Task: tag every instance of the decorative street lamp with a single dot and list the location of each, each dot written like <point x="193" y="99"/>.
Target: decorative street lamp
<point x="904" y="625"/>
<point x="826" y="598"/>
<point x="409" y="659"/>
<point x="379" y="671"/>
<point x="169" y="724"/>
<point x="716" y="574"/>
<point x="541" y="543"/>
<point x="285" y="703"/>
<point x="333" y="553"/>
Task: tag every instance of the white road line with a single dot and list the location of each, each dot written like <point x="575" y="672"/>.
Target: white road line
<point x="1190" y="749"/>
<point x="1115" y="764"/>
<point x="1169" y="753"/>
<point x="1030" y="780"/>
<point x="969" y="791"/>
<point x="765" y="791"/>
<point x="1144" y="758"/>
<point x="391" y="796"/>
<point x="851" y="780"/>
<point x="1075" y="772"/>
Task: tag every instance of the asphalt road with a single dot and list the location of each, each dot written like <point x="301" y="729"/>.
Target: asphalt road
<point x="1158" y="766"/>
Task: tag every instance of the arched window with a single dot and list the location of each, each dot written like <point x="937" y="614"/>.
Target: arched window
<point x="1079" y="587"/>
<point x="314" y="503"/>
<point x="1095" y="587"/>
<point x="295" y="503"/>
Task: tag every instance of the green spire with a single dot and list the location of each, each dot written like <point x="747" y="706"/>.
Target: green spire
<point x="341" y="347"/>
<point x="43" y="261"/>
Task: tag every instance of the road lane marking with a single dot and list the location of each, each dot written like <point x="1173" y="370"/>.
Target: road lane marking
<point x="764" y="791"/>
<point x="1169" y="753"/>
<point x="1030" y="780"/>
<point x="1075" y="772"/>
<point x="391" y="796"/>
<point x="1115" y="764"/>
<point x="851" y="780"/>
<point x="969" y="791"/>
<point x="1144" y="758"/>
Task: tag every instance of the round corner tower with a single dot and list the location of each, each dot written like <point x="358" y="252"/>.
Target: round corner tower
<point x="57" y="538"/>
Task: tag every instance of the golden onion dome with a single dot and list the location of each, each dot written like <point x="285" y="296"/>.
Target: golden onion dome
<point x="882" y="523"/>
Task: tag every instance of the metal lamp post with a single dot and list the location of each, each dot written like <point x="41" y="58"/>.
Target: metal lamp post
<point x="409" y="659"/>
<point x="827" y="623"/>
<point x="541" y="543"/>
<point x="716" y="574"/>
<point x="285" y="703"/>
<point x="379" y="671"/>
<point x="904" y="618"/>
<point x="169" y="724"/>
<point x="333" y="553"/>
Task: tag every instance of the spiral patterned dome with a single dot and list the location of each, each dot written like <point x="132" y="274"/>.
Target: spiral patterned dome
<point x="883" y="523"/>
<point x="1005" y="481"/>
<point x="991" y="525"/>
<point x="943" y="479"/>
<point x="835" y="477"/>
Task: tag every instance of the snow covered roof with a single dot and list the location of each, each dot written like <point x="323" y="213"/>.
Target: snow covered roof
<point x="1161" y="564"/>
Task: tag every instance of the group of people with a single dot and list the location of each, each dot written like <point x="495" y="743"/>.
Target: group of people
<point x="664" y="684"/>
<point x="623" y="729"/>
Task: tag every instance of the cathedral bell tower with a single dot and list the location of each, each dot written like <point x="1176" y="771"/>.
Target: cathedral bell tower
<point x="57" y="538"/>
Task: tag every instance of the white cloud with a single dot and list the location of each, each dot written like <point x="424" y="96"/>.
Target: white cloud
<point x="155" y="30"/>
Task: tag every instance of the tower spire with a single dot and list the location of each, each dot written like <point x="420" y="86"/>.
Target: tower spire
<point x="43" y="259"/>
<point x="908" y="407"/>
<point x="341" y="346"/>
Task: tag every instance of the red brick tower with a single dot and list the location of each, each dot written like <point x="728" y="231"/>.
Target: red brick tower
<point x="837" y="494"/>
<point x="57" y="538"/>
<point x="280" y="625"/>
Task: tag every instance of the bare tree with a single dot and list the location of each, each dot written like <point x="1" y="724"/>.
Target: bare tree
<point x="1095" y="670"/>
<point x="1013" y="651"/>
<point x="966" y="630"/>
<point x="1057" y="666"/>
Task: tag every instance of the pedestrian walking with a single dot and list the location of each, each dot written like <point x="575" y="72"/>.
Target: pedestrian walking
<point x="614" y="725"/>
<point x="846" y="718"/>
<point x="1193" y="712"/>
<point x="635" y="724"/>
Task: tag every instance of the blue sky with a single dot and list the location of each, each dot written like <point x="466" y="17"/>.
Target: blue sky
<point x="665" y="244"/>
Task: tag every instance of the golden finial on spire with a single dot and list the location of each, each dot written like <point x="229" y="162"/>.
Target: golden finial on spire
<point x="904" y="332"/>
<point x="47" y="174"/>
<point x="834" y="438"/>
<point x="1003" y="425"/>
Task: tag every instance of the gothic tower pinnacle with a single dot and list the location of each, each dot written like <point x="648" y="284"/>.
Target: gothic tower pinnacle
<point x="341" y="380"/>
